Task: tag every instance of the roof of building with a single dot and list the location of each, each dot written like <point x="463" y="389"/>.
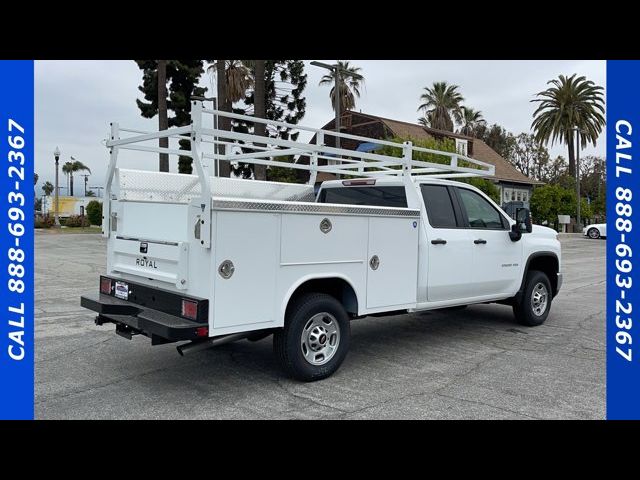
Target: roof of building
<point x="505" y="171"/>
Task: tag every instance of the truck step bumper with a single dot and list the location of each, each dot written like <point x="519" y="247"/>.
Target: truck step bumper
<point x="131" y="319"/>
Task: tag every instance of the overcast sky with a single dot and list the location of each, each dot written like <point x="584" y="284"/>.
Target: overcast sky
<point x="76" y="100"/>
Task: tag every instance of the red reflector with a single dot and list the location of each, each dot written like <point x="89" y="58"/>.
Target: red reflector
<point x="190" y="309"/>
<point x="202" y="331"/>
<point x="105" y="285"/>
<point x="348" y="183"/>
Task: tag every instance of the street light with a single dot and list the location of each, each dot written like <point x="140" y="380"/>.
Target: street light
<point x="56" y="220"/>
<point x="578" y="219"/>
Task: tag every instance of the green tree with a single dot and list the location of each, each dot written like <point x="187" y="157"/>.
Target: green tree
<point x="350" y="84"/>
<point x="91" y="193"/>
<point x="47" y="188"/>
<point x="570" y="102"/>
<point x="285" y="82"/>
<point x="498" y="139"/>
<point x="183" y="77"/>
<point x="94" y="212"/>
<point x="38" y="205"/>
<point x="470" y="120"/>
<point x="549" y="201"/>
<point x="154" y="88"/>
<point x="442" y="105"/>
<point x="529" y="156"/>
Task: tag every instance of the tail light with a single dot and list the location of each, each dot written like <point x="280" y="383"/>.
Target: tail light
<point x="105" y="285"/>
<point x="202" y="332"/>
<point x="189" y="309"/>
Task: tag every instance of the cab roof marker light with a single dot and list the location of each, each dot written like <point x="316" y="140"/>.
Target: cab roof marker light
<point x="349" y="183"/>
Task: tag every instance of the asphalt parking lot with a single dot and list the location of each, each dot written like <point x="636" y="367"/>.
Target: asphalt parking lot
<point x="475" y="363"/>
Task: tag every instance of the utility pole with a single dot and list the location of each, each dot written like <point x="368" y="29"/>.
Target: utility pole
<point x="578" y="219"/>
<point x="86" y="178"/>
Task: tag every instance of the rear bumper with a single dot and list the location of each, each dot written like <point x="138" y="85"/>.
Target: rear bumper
<point x="132" y="319"/>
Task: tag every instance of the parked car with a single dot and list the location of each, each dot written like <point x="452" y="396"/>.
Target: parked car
<point x="595" y="230"/>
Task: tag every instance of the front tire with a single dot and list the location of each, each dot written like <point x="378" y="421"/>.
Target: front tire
<point x="593" y="233"/>
<point x="315" y="338"/>
<point x="533" y="308"/>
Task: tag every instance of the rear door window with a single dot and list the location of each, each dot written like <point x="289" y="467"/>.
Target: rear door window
<point x="369" y="195"/>
<point x="439" y="206"/>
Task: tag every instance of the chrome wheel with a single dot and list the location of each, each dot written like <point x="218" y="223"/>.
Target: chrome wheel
<point x="539" y="299"/>
<point x="320" y="338"/>
<point x="593" y="233"/>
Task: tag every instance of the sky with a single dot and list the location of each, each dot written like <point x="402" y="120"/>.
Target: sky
<point x="76" y="100"/>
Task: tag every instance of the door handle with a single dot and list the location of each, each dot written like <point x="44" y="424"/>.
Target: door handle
<point x="438" y="241"/>
<point x="479" y="241"/>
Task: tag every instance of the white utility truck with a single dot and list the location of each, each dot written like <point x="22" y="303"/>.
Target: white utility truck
<point x="208" y="260"/>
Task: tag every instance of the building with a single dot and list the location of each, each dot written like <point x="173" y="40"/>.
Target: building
<point x="512" y="184"/>
<point x="67" y="206"/>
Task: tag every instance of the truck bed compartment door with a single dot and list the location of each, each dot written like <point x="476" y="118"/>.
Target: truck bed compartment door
<point x="392" y="270"/>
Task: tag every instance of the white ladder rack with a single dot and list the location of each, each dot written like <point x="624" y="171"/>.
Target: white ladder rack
<point x="266" y="150"/>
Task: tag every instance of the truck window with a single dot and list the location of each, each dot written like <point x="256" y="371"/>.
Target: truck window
<point x="375" y="196"/>
<point x="439" y="206"/>
<point x="480" y="212"/>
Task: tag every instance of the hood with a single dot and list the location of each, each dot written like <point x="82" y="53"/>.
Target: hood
<point x="544" y="231"/>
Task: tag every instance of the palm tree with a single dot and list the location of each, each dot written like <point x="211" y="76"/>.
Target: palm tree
<point x="424" y="121"/>
<point x="441" y="103"/>
<point x="233" y="80"/>
<point x="75" y="166"/>
<point x="259" y="110"/>
<point x="470" y="119"/>
<point x="47" y="188"/>
<point x="163" y="118"/>
<point x="66" y="169"/>
<point x="351" y="80"/>
<point x="570" y="102"/>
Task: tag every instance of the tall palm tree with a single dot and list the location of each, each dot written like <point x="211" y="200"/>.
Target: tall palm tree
<point x="570" y="102"/>
<point x="259" y="110"/>
<point x="470" y="119"/>
<point x="442" y="103"/>
<point x="47" y="188"/>
<point x="75" y="166"/>
<point x="163" y="117"/>
<point x="351" y="81"/>
<point x="424" y="121"/>
<point x="66" y="169"/>
<point x="233" y="80"/>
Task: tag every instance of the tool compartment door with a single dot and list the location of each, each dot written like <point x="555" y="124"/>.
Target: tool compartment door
<point x="392" y="280"/>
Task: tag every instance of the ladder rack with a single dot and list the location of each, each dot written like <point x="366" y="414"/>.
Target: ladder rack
<point x="258" y="150"/>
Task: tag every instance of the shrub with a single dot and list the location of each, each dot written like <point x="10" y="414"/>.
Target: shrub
<point x="94" y="212"/>
<point x="77" y="221"/>
<point x="43" y="222"/>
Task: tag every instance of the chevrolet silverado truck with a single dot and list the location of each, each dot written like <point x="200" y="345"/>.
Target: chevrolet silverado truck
<point x="204" y="260"/>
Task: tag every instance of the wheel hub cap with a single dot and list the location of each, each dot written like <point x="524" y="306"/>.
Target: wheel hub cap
<point x="539" y="299"/>
<point x="320" y="338"/>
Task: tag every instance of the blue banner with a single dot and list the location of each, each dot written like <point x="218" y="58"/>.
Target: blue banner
<point x="16" y="240"/>
<point x="623" y="249"/>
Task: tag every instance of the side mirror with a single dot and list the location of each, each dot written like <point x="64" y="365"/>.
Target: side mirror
<point x="523" y="220"/>
<point x="515" y="234"/>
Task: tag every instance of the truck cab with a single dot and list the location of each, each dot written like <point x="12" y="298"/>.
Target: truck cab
<point x="468" y="250"/>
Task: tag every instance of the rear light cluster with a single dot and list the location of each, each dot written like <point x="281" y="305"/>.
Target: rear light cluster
<point x="189" y="309"/>
<point x="106" y="285"/>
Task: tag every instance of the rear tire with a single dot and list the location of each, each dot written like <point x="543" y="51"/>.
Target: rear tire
<point x="315" y="338"/>
<point x="533" y="308"/>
